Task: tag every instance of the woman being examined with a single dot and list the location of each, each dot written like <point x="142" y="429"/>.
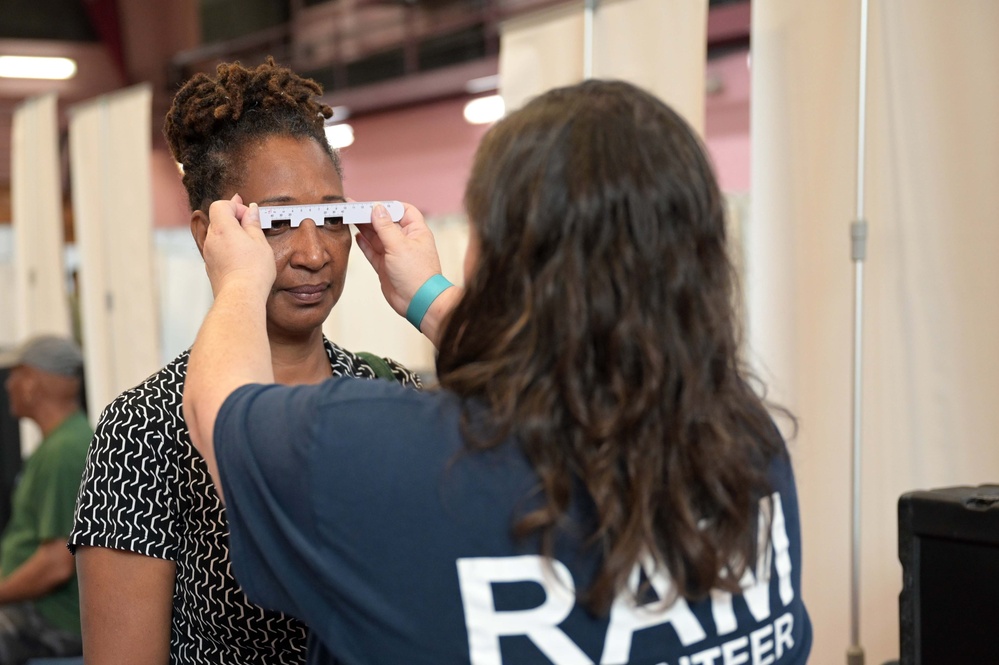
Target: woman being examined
<point x="151" y="534"/>
<point x="596" y="481"/>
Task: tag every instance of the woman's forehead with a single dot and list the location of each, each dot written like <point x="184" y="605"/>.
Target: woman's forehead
<point x="288" y="167"/>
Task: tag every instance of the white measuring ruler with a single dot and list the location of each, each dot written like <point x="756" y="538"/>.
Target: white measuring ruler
<point x="272" y="217"/>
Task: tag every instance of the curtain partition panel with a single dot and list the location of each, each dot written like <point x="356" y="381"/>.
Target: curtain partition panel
<point x="659" y="45"/>
<point x="931" y="364"/>
<point x="36" y="192"/>
<point x="539" y="51"/>
<point x="40" y="298"/>
<point x="110" y="159"/>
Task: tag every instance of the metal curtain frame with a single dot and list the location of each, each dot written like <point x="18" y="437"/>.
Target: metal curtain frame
<point x="858" y="251"/>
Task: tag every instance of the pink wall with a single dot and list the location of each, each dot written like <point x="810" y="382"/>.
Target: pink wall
<point x="726" y="122"/>
<point x="420" y="155"/>
<point x="170" y="207"/>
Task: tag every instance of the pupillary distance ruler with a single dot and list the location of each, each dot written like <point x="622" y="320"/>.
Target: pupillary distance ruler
<point x="358" y="212"/>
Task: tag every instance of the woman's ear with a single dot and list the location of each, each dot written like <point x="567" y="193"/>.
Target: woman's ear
<point x="199" y="229"/>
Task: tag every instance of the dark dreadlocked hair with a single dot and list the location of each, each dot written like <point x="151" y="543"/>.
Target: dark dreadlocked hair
<point x="212" y="119"/>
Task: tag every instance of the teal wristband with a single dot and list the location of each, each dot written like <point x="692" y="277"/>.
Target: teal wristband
<point x="425" y="297"/>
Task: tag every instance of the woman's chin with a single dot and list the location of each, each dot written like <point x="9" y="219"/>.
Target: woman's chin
<point x="302" y="321"/>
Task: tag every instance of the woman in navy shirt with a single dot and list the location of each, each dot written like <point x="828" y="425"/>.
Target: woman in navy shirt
<point x="595" y="482"/>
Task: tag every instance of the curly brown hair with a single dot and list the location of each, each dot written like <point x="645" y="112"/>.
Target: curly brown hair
<point x="599" y="329"/>
<point x="212" y="119"/>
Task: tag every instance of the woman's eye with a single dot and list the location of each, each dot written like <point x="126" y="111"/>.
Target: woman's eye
<point x="278" y="226"/>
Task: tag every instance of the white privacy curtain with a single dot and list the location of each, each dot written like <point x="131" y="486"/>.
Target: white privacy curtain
<point x="931" y="375"/>
<point x="41" y="302"/>
<point x="110" y="164"/>
<point x="659" y="45"/>
<point x="36" y="191"/>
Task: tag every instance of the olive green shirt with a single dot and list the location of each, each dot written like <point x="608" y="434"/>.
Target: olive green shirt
<point x="42" y="510"/>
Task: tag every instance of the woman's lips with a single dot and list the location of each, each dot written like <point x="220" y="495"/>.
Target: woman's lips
<point x="308" y="293"/>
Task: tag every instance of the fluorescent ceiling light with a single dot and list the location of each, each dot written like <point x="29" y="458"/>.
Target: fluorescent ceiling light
<point x="485" y="110"/>
<point x="36" y="67"/>
<point x="339" y="136"/>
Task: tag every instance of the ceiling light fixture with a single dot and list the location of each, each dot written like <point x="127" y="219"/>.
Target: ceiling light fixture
<point x="36" y="67"/>
<point x="485" y="110"/>
<point x="339" y="136"/>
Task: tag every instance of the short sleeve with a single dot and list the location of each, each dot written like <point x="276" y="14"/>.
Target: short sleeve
<point x="127" y="497"/>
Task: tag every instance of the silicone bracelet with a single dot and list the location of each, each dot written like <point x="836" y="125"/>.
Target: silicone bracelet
<point x="425" y="297"/>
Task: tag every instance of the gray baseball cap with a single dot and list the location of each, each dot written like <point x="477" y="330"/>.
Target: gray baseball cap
<point x="49" y="353"/>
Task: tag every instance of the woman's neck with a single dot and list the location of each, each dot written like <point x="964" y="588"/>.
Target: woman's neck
<point x="300" y="361"/>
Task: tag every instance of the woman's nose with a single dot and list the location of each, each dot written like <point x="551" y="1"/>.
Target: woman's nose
<point x="308" y="248"/>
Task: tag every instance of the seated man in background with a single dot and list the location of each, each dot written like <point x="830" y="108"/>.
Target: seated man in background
<point x="39" y="598"/>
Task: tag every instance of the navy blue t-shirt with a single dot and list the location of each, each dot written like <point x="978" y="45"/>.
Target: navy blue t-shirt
<point x="354" y="506"/>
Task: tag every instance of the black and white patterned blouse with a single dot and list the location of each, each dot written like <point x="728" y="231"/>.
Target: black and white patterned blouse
<point x="147" y="490"/>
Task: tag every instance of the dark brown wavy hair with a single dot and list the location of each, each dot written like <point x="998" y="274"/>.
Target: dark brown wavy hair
<point x="599" y="329"/>
<point x="213" y="119"/>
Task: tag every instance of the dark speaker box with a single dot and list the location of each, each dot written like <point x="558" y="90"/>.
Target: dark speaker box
<point x="948" y="544"/>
